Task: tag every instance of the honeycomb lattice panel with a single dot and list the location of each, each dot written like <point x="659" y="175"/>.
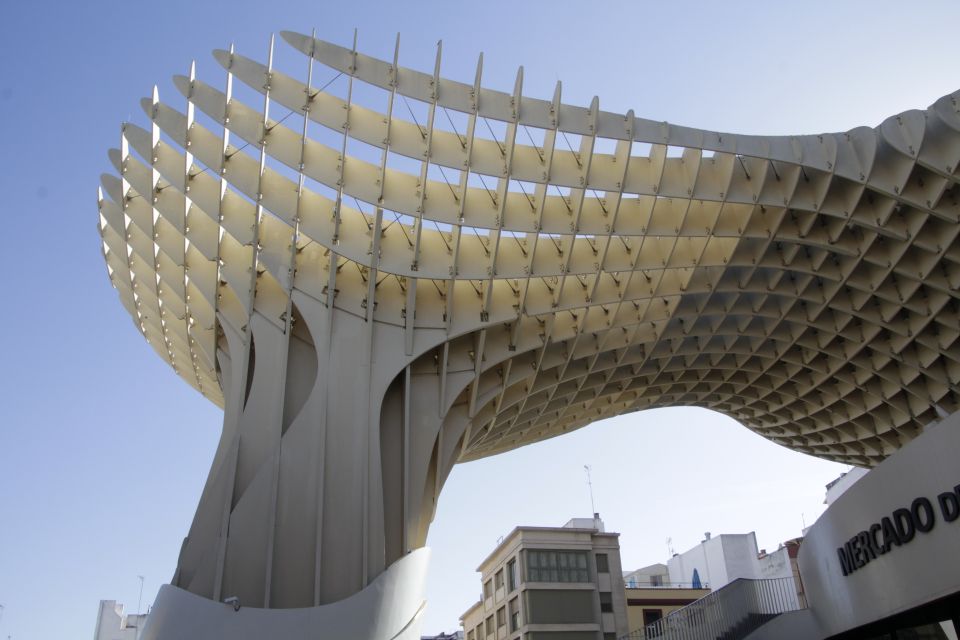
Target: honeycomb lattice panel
<point x="806" y="286"/>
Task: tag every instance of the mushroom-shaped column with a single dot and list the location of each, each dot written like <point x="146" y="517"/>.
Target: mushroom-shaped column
<point x="372" y="299"/>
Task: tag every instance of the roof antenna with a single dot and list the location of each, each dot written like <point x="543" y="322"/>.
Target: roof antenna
<point x="593" y="508"/>
<point x="139" y="602"/>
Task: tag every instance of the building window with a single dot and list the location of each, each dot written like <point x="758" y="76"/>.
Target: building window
<point x="498" y="579"/>
<point x="514" y="614"/>
<point x="489" y="624"/>
<point x="656" y="581"/>
<point x="651" y="615"/>
<point x="606" y="602"/>
<point x="557" y="566"/>
<point x="512" y="574"/>
<point x="488" y="589"/>
<point x="603" y="564"/>
<point x="501" y="617"/>
<point x="472" y="635"/>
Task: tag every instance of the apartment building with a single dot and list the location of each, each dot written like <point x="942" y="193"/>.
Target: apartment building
<point x="551" y="583"/>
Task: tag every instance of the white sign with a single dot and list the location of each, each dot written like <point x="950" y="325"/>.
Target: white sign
<point x="892" y="541"/>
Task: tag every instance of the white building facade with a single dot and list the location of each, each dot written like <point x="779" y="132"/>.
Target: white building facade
<point x="114" y="624"/>
<point x="846" y="480"/>
<point x="719" y="560"/>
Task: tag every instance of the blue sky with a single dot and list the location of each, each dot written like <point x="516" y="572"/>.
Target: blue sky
<point x="103" y="451"/>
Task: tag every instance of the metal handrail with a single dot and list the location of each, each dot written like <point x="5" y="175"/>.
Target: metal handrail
<point x="730" y="613"/>
<point x="633" y="584"/>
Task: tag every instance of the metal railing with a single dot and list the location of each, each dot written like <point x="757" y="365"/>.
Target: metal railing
<point x="730" y="613"/>
<point x="636" y="584"/>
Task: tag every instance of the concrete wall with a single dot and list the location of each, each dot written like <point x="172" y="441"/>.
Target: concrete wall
<point x="739" y="557"/>
<point x="112" y="624"/>
<point x="681" y="566"/>
<point x="775" y="565"/>
<point x="839" y="486"/>
<point x="794" y="625"/>
<point x="718" y="560"/>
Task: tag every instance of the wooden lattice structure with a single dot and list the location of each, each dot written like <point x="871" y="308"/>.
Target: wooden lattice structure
<point x="503" y="269"/>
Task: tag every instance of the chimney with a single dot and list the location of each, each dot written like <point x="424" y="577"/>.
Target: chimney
<point x="706" y="536"/>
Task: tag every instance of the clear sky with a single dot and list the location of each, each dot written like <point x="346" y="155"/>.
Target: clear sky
<point x="103" y="450"/>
